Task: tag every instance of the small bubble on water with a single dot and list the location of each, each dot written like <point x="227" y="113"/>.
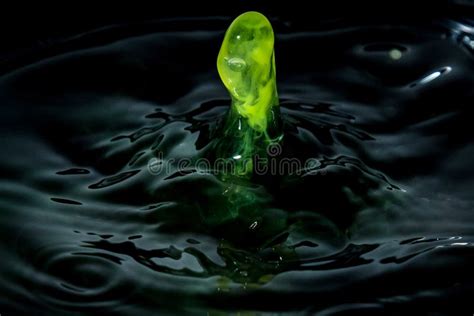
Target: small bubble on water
<point x="395" y="54"/>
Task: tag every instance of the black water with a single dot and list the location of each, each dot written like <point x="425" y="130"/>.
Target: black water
<point x="381" y="222"/>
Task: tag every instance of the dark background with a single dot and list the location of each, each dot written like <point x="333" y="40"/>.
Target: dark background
<point x="33" y="31"/>
<point x="31" y="23"/>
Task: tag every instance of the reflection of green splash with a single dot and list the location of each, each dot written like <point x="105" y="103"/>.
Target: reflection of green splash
<point x="246" y="65"/>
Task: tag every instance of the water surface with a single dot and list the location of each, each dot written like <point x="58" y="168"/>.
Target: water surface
<point x="382" y="221"/>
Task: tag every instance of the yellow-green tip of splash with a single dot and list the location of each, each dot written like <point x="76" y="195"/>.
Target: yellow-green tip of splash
<point x="246" y="65"/>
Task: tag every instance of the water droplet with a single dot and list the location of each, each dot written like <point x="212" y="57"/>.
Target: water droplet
<point x="236" y="63"/>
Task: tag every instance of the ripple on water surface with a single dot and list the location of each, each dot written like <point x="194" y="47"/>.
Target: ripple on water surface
<point x="97" y="213"/>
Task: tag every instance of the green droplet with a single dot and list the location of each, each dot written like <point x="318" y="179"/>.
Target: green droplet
<point x="246" y="65"/>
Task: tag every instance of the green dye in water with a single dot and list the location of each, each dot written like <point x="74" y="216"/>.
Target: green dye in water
<point x="246" y="65"/>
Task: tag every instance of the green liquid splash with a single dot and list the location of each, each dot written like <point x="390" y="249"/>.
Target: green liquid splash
<point x="246" y="65"/>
